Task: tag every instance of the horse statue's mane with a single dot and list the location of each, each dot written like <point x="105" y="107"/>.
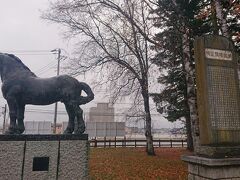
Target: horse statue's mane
<point x="20" y="63"/>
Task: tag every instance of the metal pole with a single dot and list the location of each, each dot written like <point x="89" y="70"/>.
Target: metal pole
<point x="56" y="104"/>
<point x="4" y="117"/>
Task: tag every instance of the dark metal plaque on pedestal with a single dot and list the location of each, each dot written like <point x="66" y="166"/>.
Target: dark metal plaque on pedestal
<point x="217" y="91"/>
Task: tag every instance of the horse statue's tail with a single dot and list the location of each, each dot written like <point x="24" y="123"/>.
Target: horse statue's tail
<point x="85" y="99"/>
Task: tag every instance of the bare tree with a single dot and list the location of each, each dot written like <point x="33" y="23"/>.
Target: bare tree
<point x="113" y="35"/>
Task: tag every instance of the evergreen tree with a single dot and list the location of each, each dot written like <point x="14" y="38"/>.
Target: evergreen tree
<point x="180" y="19"/>
<point x="170" y="54"/>
<point x="177" y="18"/>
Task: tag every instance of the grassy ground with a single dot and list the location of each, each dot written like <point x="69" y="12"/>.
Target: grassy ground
<point x="133" y="163"/>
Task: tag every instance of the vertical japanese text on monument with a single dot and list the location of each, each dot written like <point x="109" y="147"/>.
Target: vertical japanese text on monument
<point x="223" y="106"/>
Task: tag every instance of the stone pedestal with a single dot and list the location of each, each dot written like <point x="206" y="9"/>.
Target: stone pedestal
<point x="44" y="157"/>
<point x="201" y="168"/>
<point x="219" y="151"/>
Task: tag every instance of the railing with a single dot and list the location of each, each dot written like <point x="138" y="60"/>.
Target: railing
<point x="172" y="143"/>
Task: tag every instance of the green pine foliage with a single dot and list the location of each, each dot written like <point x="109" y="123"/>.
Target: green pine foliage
<point x="172" y="19"/>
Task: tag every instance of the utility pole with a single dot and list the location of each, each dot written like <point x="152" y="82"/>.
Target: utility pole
<point x="56" y="104"/>
<point x="4" y="117"/>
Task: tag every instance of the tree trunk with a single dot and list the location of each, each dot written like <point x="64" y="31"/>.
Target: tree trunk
<point x="191" y="92"/>
<point x="214" y="19"/>
<point x="221" y="19"/>
<point x="187" y="116"/>
<point x="189" y="134"/>
<point x="148" y="128"/>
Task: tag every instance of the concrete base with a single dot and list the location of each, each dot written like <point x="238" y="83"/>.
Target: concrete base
<point x="201" y="168"/>
<point x="43" y="157"/>
<point x="218" y="151"/>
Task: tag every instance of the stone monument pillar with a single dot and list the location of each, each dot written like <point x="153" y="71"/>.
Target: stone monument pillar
<point x="217" y="156"/>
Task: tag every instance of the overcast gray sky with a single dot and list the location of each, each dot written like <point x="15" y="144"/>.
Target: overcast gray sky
<point x="22" y="29"/>
<point x="26" y="35"/>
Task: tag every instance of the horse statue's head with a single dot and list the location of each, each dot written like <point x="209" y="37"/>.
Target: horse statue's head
<point x="11" y="65"/>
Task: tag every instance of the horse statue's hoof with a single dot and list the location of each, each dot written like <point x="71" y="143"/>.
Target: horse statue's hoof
<point x="68" y="131"/>
<point x="10" y="132"/>
<point x="80" y="130"/>
<point x="20" y="129"/>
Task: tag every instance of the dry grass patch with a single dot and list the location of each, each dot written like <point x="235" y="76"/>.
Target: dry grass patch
<point x="134" y="163"/>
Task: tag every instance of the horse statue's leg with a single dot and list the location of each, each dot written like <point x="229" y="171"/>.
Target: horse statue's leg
<point x="13" y="116"/>
<point x="71" y="115"/>
<point x="79" y="121"/>
<point x="20" y="117"/>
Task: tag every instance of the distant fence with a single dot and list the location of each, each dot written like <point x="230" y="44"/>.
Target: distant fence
<point x="104" y="143"/>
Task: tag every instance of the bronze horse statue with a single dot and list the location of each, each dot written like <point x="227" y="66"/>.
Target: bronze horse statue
<point x="20" y="86"/>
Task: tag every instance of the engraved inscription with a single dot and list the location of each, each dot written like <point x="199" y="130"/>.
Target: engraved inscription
<point x="222" y="93"/>
<point x="218" y="54"/>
